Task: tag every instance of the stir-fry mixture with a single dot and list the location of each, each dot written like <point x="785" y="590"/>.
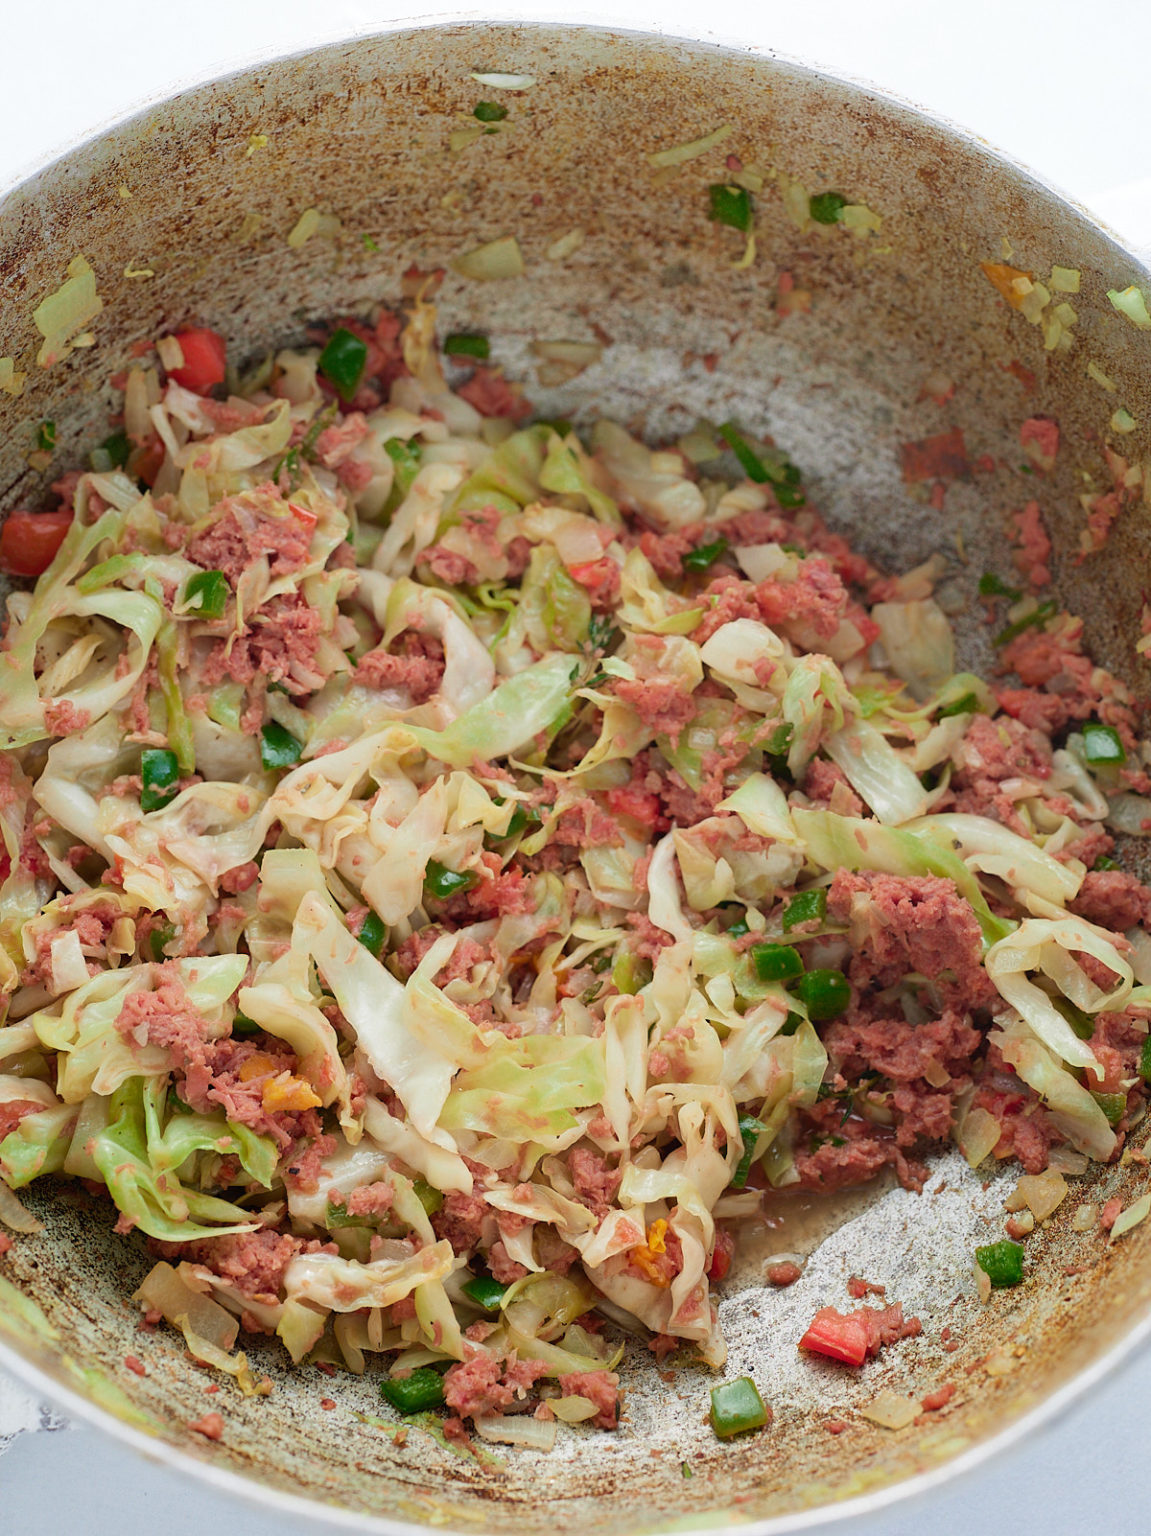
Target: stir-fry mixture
<point x="458" y="870"/>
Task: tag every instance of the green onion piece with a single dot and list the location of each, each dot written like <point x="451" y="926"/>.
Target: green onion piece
<point x="1113" y="1105"/>
<point x="442" y="882"/>
<point x="278" y="747"/>
<point x="431" y="1199"/>
<point x="1105" y="861"/>
<point x="776" y="962"/>
<point x="159" y="773"/>
<point x="736" y="1407"/>
<point x="467" y="344"/>
<point x="417" y="1393"/>
<point x="369" y="244"/>
<point x="967" y="705"/>
<point x="778" y="742"/>
<point x="991" y="585"/>
<point x="158" y="941"/>
<point x="1039" y="615"/>
<point x="1145" y="1061"/>
<point x="750" y="1129"/>
<point x="685" y="1468"/>
<point x="208" y="593"/>
<point x="371" y="934"/>
<point x="1002" y="1263"/>
<point x="342" y="362"/>
<point x="826" y="994"/>
<point x="243" y="1025"/>
<point x="1102" y="744"/>
<point x="704" y="555"/>
<point x="825" y="207"/>
<point x="485" y="1292"/>
<point x="730" y="206"/>
<point x="779" y="472"/>
<point x="46" y="436"/>
<point x="807" y="907"/>
<point x="489" y="111"/>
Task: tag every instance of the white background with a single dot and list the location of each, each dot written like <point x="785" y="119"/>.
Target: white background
<point x="1061" y="86"/>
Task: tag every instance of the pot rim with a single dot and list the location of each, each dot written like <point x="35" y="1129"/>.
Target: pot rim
<point x="301" y="1507"/>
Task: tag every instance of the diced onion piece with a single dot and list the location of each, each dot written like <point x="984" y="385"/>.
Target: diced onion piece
<point x="498" y="82"/>
<point x="163" y="1289"/>
<point x="65" y="313"/>
<point x="574" y="1409"/>
<point x="1131" y="814"/>
<point x="11" y="382"/>
<point x="979" y="1136"/>
<point x="170" y="353"/>
<point x="1067" y="1160"/>
<point x="566" y="245"/>
<point x="1065" y="279"/>
<point x="1132" y="1216"/>
<point x="680" y="154"/>
<point x="1131" y="303"/>
<point x="1123" y="421"/>
<point x="67" y="964"/>
<point x="860" y="219"/>
<point x="1041" y="1193"/>
<point x="521" y="1429"/>
<point x="1085" y="1218"/>
<point x="14" y="1215"/>
<point x="565" y="359"/>
<point x="891" y="1411"/>
<point x="312" y="222"/>
<point x="1096" y="373"/>
<point x="211" y="1354"/>
<point x="488" y="263"/>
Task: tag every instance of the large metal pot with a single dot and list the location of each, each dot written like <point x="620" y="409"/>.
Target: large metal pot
<point x="184" y="213"/>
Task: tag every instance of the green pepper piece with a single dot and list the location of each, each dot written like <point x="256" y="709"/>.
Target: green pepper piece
<point x="704" y="555"/>
<point x="739" y="929"/>
<point x="278" y="747"/>
<point x="1082" y="1023"/>
<point x="417" y="1393"/>
<point x="749" y="461"/>
<point x="371" y="934"/>
<point x="342" y="362"/>
<point x="485" y="1292"/>
<point x="776" y="962"/>
<point x="1039" y="615"/>
<point x="243" y="1025"/>
<point x="826" y="994"/>
<point x="731" y="206"/>
<point x="991" y="585"/>
<point x="825" y="207"/>
<point x="467" y="344"/>
<point x="159" y="774"/>
<point x="208" y="592"/>
<point x="1113" y="1105"/>
<point x="778" y="742"/>
<point x="750" y="1129"/>
<point x="431" y="1199"/>
<point x="967" y="705"/>
<point x="1002" y="1263"/>
<point x="1105" y="861"/>
<point x="442" y="882"/>
<point x="46" y="436"/>
<point x="158" y="941"/>
<point x="736" y="1407"/>
<point x="489" y="111"/>
<point x="791" y="1023"/>
<point x="806" y="907"/>
<point x="1102" y="744"/>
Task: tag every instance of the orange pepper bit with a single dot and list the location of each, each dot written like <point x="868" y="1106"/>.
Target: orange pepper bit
<point x="1013" y="284"/>
<point x="286" y="1092"/>
<point x="644" y="1256"/>
<point x="259" y="1065"/>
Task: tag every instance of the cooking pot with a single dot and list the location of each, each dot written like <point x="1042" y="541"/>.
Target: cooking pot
<point x="306" y="188"/>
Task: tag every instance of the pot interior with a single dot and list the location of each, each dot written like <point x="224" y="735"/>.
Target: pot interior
<point x="184" y="214"/>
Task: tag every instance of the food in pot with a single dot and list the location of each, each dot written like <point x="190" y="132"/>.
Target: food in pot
<point x="458" y="869"/>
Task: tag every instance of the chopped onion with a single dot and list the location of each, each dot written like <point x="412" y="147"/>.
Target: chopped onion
<point x="521" y="1429"/>
<point x="171" y="354"/>
<point x="1041" y="1193"/>
<point x="1096" y="373"/>
<point x="13" y="1214"/>
<point x="860" y="219"/>
<point x="1130" y="814"/>
<point x="499" y="82"/>
<point x="680" y="154"/>
<point x="1130" y="303"/>
<point x="566" y="245"/>
<point x="211" y="1354"/>
<point x="166" y="1291"/>
<point x="563" y="360"/>
<point x="574" y="1409"/>
<point x="312" y="222"/>
<point x="978" y="1136"/>
<point x="487" y="263"/>
<point x="1085" y="1218"/>
<point x="891" y="1411"/>
<point x="1123" y="421"/>
<point x="65" y="313"/>
<point x="11" y="382"/>
<point x="1066" y="1160"/>
<point x="1065" y="279"/>
<point x="1132" y="1216"/>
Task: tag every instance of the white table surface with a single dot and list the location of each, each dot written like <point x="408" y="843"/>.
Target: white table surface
<point x="1059" y="86"/>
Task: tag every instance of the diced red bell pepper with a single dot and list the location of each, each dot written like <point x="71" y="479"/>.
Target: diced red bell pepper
<point x="29" y="540"/>
<point x="721" y="1257"/>
<point x="627" y="800"/>
<point x="838" y="1336"/>
<point x="205" y="360"/>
